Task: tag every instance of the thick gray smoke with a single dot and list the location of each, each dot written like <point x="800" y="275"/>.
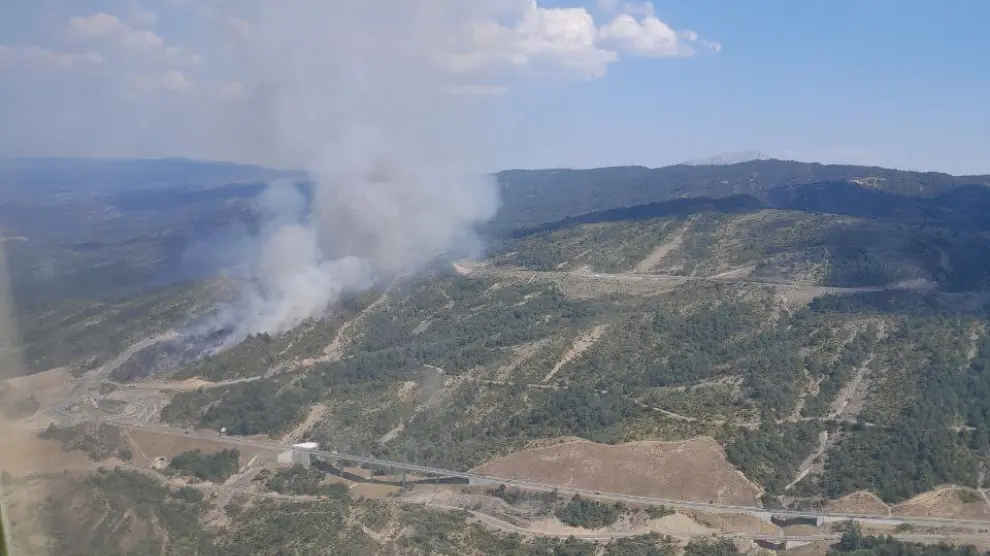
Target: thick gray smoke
<point x="354" y="93"/>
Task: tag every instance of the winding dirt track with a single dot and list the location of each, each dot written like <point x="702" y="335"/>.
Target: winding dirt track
<point x="663" y="282"/>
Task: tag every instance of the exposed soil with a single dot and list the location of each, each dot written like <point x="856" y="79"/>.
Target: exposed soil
<point x="581" y="344"/>
<point x="676" y="525"/>
<point x="48" y="387"/>
<point x="315" y="414"/>
<point x="853" y="395"/>
<point x="820" y="548"/>
<point x="950" y="502"/>
<point x="151" y="445"/>
<point x="520" y="354"/>
<point x="23" y="452"/>
<point x="187" y="385"/>
<point x="862" y="502"/>
<point x="335" y="350"/>
<point x="369" y="490"/>
<point x="690" y="470"/>
<point x="661" y="251"/>
<point x="735" y="523"/>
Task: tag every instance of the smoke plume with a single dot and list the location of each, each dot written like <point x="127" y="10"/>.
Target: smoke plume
<point x="354" y="93"/>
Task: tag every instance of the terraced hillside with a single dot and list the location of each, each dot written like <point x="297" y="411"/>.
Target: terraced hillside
<point x="825" y="354"/>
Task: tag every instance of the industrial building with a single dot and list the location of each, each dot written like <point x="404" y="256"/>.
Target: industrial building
<point x="298" y="454"/>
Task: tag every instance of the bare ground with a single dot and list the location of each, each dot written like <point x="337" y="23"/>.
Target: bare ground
<point x="852" y="397"/>
<point x="676" y="525"/>
<point x="948" y="502"/>
<point x="48" y="387"/>
<point x="369" y="490"/>
<point x="187" y="385"/>
<point x="735" y="523"/>
<point x="862" y="502"/>
<point x="316" y="413"/>
<point x="691" y="470"/>
<point x="808" y="464"/>
<point x="155" y="445"/>
<point x="520" y="355"/>
<point x="335" y="350"/>
<point x="661" y="251"/>
<point x="581" y="344"/>
<point x="23" y="452"/>
<point x="583" y="283"/>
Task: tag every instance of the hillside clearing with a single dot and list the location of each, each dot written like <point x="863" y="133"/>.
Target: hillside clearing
<point x="948" y="502"/>
<point x="690" y="470"/>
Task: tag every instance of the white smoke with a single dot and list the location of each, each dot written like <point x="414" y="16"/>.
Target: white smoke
<point x="353" y="93"/>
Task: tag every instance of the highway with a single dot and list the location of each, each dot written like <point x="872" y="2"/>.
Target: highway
<point x="892" y="521"/>
<point x="139" y="417"/>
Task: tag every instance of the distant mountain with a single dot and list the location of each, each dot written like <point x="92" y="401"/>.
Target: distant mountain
<point x="534" y="197"/>
<point x="726" y="159"/>
<point x="126" y="224"/>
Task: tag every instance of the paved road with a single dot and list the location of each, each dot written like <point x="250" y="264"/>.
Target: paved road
<point x="611" y="496"/>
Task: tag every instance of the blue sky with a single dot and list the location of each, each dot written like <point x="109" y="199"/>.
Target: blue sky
<point x="900" y="84"/>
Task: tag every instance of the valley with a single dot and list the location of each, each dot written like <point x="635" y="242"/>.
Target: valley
<point x="733" y="365"/>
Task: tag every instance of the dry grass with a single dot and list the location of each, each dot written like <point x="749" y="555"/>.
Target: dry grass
<point x="691" y="470"/>
<point x="23" y="452"/>
<point x="150" y="445"/>
<point x="735" y="523"/>
<point x="820" y="548"/>
<point x="946" y="502"/>
<point x="861" y="502"/>
<point x="369" y="490"/>
<point x="676" y="525"/>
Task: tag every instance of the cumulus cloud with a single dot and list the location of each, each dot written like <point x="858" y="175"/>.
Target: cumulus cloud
<point x="570" y="38"/>
<point x="37" y="57"/>
<point x="173" y="81"/>
<point x="547" y="37"/>
<point x="111" y="32"/>
<point x="647" y="37"/>
<point x="476" y="50"/>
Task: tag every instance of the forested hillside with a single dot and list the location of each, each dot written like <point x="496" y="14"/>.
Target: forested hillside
<point x="533" y="197"/>
<point x="783" y="334"/>
<point x="831" y="335"/>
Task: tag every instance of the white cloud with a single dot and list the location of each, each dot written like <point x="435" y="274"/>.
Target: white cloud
<point x="139" y="16"/>
<point x="173" y="81"/>
<point x="109" y="30"/>
<point x="564" y="37"/>
<point x="650" y="37"/>
<point x="570" y="38"/>
<point x="37" y="57"/>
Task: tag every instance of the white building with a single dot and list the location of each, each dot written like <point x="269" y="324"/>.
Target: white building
<point x="298" y="454"/>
